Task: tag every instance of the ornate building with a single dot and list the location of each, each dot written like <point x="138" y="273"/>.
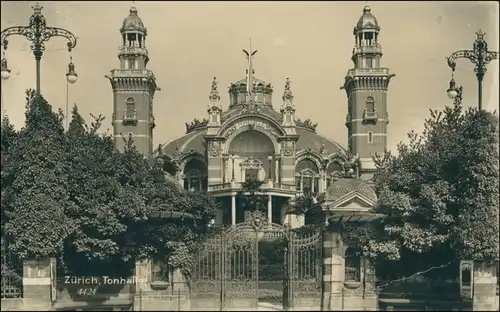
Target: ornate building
<point x="254" y="138"/>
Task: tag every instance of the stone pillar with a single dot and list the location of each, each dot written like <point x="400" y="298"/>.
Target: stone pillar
<point x="276" y="169"/>
<point x="37" y="285"/>
<point x="270" y="209"/>
<point x="484" y="288"/>
<point x="288" y="169"/>
<point x="224" y="169"/>
<point x="233" y="209"/>
<point x="168" y="296"/>
<point x="333" y="271"/>
<point x="214" y="170"/>
<point x="338" y="296"/>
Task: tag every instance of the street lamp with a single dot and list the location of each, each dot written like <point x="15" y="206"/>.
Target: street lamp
<point x="454" y="92"/>
<point x="37" y="32"/>
<point x="5" y="68"/>
<point x="71" y="75"/>
<point x="71" y="78"/>
<point x="479" y="56"/>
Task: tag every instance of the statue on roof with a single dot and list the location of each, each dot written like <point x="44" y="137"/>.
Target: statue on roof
<point x="214" y="93"/>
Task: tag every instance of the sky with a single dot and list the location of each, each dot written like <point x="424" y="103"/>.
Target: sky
<point x="311" y="42"/>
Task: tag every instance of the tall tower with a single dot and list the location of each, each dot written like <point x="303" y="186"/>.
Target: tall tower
<point x="366" y="87"/>
<point x="134" y="87"/>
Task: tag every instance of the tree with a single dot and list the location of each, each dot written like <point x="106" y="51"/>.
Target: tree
<point x="35" y="178"/>
<point x="440" y="193"/>
<point x="251" y="196"/>
<point x="72" y="195"/>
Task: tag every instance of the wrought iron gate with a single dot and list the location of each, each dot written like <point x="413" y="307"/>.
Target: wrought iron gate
<point x="256" y="263"/>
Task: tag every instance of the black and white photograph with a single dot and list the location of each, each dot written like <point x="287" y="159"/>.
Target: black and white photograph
<point x="250" y="156"/>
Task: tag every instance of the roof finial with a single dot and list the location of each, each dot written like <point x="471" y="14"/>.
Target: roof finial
<point x="214" y="93"/>
<point x="480" y="34"/>
<point x="249" y="55"/>
<point x="287" y="95"/>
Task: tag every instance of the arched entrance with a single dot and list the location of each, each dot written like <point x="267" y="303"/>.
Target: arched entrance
<point x="258" y="264"/>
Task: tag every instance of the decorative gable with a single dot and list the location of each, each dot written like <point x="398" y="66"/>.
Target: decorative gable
<point x="353" y="201"/>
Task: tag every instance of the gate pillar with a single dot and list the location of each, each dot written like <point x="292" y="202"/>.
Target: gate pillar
<point x="38" y="284"/>
<point x="339" y="294"/>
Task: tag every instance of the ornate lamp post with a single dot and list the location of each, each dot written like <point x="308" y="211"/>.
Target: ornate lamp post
<point x="455" y="92"/>
<point x="37" y="32"/>
<point x="479" y="56"/>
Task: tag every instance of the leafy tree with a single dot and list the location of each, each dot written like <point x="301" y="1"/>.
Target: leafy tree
<point x="74" y="196"/>
<point x="440" y="193"/>
<point x="252" y="196"/>
<point x="306" y="205"/>
<point x="35" y="179"/>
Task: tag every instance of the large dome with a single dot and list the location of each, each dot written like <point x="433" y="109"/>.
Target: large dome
<point x="193" y="140"/>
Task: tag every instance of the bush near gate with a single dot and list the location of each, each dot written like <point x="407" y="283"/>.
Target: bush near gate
<point x="439" y="194"/>
<point x="72" y="195"/>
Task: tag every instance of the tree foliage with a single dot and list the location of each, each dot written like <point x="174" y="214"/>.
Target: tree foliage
<point x="440" y="193"/>
<point x="72" y="195"/>
<point x="252" y="197"/>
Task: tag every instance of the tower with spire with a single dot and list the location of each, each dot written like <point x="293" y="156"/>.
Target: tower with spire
<point x="366" y="86"/>
<point x="134" y="87"/>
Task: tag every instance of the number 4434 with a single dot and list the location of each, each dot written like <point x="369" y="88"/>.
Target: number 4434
<point x="90" y="291"/>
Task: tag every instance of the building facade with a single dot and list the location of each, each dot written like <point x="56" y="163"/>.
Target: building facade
<point x="255" y="138"/>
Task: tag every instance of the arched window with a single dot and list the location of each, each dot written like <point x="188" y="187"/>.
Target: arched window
<point x="370" y="105"/>
<point x="352" y="266"/>
<point x="195" y="176"/>
<point x="130" y="112"/>
<point x="334" y="171"/>
<point x="307" y="177"/>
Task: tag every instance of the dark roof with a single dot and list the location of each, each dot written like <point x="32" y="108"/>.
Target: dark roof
<point x="345" y="186"/>
<point x="133" y="21"/>
<point x="367" y="19"/>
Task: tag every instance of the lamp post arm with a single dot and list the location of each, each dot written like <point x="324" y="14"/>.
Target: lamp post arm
<point x="38" y="35"/>
<point x="50" y="32"/>
<point x="466" y="54"/>
<point x="490" y="56"/>
<point x="11" y="31"/>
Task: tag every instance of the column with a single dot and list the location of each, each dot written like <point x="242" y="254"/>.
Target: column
<point x="233" y="209"/>
<point x="270" y="209"/>
<point x="276" y="170"/>
<point x="224" y="159"/>
<point x="270" y="175"/>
